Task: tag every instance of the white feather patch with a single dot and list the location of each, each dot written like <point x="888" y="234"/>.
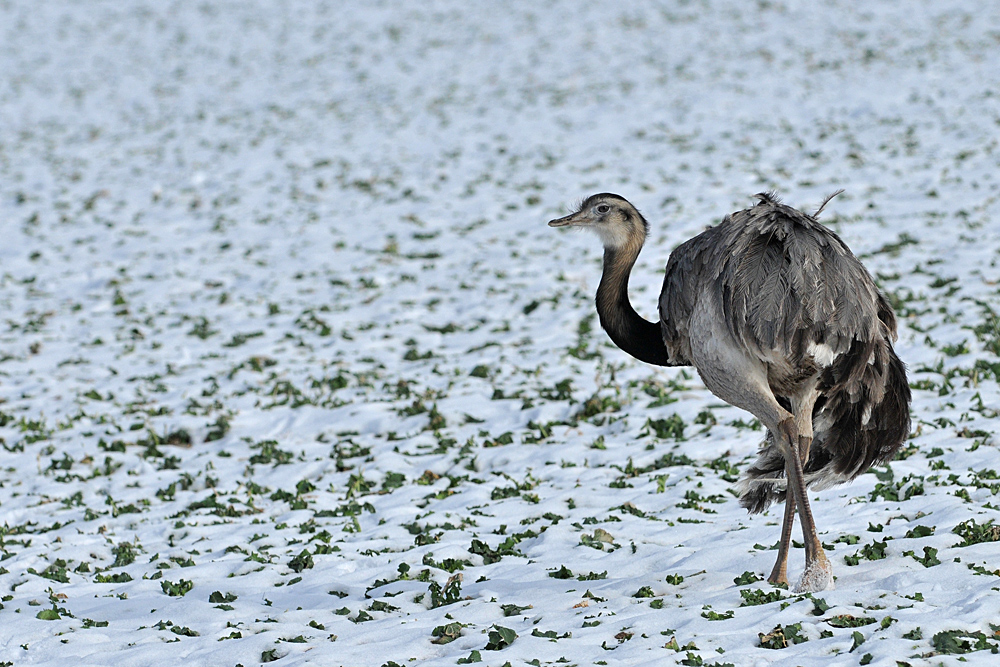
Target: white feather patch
<point x="821" y="353"/>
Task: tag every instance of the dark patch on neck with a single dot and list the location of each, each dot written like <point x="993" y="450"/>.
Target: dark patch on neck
<point x="630" y="332"/>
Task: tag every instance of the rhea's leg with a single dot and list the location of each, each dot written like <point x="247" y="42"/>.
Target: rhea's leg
<point x="742" y="380"/>
<point x="818" y="575"/>
<point x="779" y="575"/>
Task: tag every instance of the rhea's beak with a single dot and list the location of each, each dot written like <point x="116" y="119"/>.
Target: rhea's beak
<point x="568" y="220"/>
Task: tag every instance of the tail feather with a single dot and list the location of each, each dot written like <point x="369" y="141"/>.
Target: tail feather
<point x="862" y="422"/>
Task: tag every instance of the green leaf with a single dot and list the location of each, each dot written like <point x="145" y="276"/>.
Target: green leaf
<point x="180" y="589"/>
<point x="672" y="427"/>
<point x="445" y="634"/>
<point x="500" y="637"/>
<point x="775" y="639"/>
<point x="303" y="561"/>
<point x="959" y="641"/>
<point x="217" y="597"/>
<point x="819" y="606"/>
<point x="513" y="609"/>
<point x="920" y="531"/>
<point x="747" y="578"/>
<point x="48" y="615"/>
<point x="757" y="596"/>
<point x="973" y="533"/>
<point x="848" y="621"/>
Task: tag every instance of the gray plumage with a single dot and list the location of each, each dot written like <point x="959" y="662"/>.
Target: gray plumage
<point x="787" y="285"/>
<point x="779" y="318"/>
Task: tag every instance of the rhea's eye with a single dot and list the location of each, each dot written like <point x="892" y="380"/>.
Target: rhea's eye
<point x="603" y="208"/>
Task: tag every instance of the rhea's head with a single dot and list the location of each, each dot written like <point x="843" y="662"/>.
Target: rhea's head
<point x="612" y="217"/>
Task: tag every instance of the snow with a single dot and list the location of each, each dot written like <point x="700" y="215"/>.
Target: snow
<point x="287" y="345"/>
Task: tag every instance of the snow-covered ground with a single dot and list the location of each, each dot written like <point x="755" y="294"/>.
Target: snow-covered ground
<point x="292" y="369"/>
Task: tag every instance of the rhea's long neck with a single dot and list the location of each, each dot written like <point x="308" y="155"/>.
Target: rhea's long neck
<point x="636" y="336"/>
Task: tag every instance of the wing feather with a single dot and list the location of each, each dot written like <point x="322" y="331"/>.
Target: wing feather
<point x="783" y="281"/>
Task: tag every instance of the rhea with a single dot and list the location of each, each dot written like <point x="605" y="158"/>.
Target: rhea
<point x="781" y="319"/>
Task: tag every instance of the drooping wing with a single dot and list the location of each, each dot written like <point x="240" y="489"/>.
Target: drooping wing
<point x="687" y="269"/>
<point x="786" y="282"/>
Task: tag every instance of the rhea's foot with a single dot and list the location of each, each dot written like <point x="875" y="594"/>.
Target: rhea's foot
<point x="818" y="576"/>
<point x="779" y="574"/>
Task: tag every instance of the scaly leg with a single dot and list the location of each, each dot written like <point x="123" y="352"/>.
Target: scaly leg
<point x="779" y="575"/>
<point x="818" y="575"/>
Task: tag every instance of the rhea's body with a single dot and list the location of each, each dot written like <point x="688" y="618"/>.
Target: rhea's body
<point x="781" y="319"/>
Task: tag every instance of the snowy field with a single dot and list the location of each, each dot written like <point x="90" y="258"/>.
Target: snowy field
<point x="292" y="369"/>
